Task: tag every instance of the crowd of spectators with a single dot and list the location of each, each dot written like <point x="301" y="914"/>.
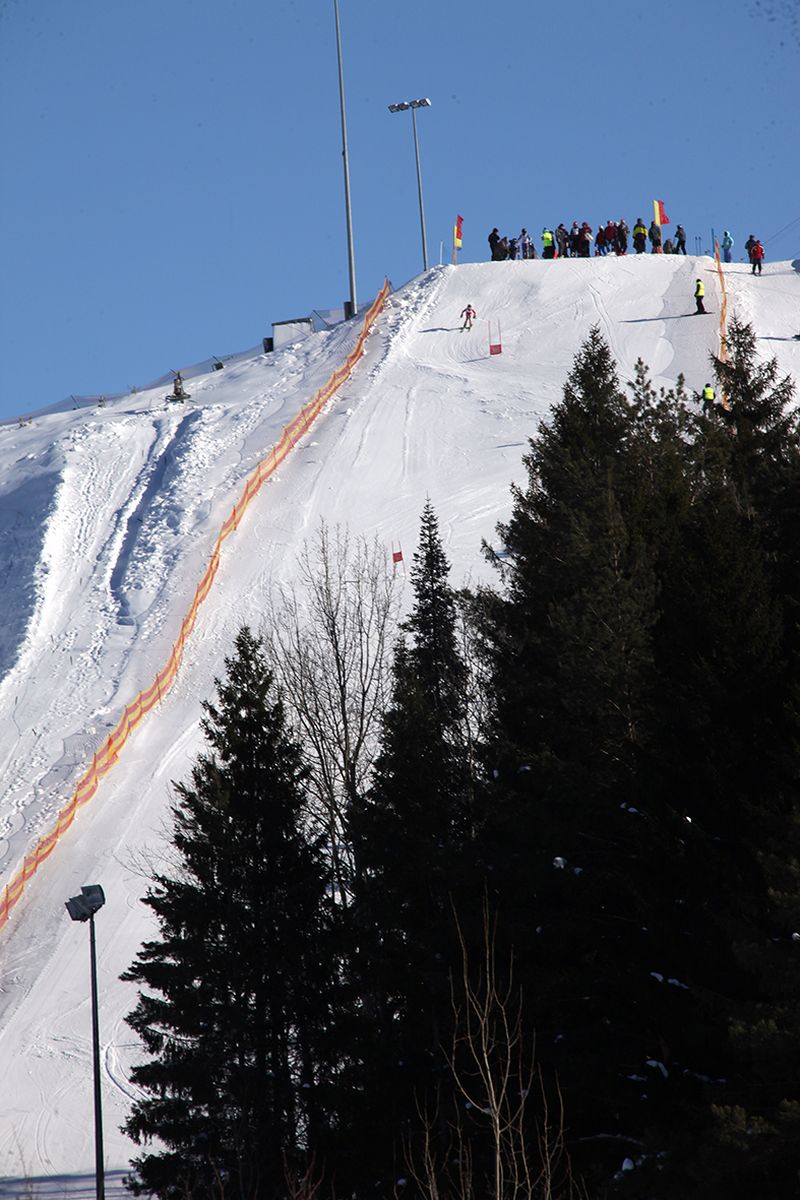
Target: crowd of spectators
<point x="580" y="241"/>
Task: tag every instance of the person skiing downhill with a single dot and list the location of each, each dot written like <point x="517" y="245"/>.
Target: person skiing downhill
<point x="699" y="293"/>
<point x="468" y="314"/>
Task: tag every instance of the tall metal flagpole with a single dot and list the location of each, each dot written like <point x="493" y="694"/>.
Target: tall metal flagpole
<point x="350" y="257"/>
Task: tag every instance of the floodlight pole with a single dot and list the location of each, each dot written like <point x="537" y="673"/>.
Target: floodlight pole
<point x="99" y="1173"/>
<point x="348" y="212"/>
<point x="419" y="190"/>
<point x="83" y="908"/>
<point x="401" y="107"/>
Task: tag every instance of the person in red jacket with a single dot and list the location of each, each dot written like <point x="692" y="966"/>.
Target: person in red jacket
<point x="469" y="315"/>
<point x="757" y="257"/>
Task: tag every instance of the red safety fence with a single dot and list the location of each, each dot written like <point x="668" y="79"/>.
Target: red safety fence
<point x="106" y="757"/>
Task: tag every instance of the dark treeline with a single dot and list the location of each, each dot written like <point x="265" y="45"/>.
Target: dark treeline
<point x="546" y="942"/>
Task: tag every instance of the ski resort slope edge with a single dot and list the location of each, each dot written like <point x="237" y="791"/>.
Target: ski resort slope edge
<point x="107" y="520"/>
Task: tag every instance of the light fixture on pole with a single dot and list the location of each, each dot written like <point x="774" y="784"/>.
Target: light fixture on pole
<point x="348" y="213"/>
<point x="83" y="908"/>
<point x="402" y="107"/>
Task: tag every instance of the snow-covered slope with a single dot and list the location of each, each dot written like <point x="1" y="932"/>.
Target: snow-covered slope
<point x="107" y="521"/>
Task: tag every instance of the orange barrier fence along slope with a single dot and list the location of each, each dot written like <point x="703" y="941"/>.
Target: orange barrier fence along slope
<point x="106" y="757"/>
<point x="723" y="312"/>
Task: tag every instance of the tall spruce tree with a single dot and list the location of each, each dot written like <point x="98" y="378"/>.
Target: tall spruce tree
<point x="411" y="835"/>
<point x="235" y="991"/>
<point x="589" y="853"/>
<point x="742" y="673"/>
<point x="645" y="657"/>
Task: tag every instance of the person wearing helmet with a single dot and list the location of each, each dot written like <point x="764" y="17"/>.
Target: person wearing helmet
<point x="680" y="240"/>
<point x="468" y="314"/>
<point x="699" y="293"/>
<point x="548" y="244"/>
<point x="709" y="394"/>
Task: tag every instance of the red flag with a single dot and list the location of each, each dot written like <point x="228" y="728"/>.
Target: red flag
<point x="660" y="216"/>
<point x="457" y="232"/>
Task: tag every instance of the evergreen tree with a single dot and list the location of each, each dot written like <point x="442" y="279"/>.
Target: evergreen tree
<point x="236" y="989"/>
<point x="645" y="655"/>
<point x="757" y="408"/>
<point x="411" y="835"/>
<point x="590" y="853"/>
<point x="743" y="682"/>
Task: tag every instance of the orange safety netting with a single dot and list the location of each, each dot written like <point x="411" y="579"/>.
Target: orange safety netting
<point x="106" y="757"/>
<point x="723" y="314"/>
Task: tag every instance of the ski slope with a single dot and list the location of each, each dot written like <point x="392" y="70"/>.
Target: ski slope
<point x="107" y="520"/>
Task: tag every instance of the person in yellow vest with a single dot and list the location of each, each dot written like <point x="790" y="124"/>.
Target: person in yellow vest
<point x="699" y="293"/>
<point x="709" y="395"/>
<point x="640" y="236"/>
<point x="548" y="244"/>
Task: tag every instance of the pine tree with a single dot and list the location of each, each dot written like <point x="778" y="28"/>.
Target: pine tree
<point x="235" y="991"/>
<point x="411" y="835"/>
<point x="757" y="409"/>
<point x="740" y="679"/>
<point x="589" y="852"/>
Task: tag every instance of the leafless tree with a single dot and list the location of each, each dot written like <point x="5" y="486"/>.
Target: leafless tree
<point x="496" y="1076"/>
<point x="329" y="638"/>
<point x="501" y="1091"/>
<point x="303" y="1184"/>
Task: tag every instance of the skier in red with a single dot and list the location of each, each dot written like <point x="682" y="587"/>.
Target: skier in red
<point x="757" y="257"/>
<point x="468" y="314"/>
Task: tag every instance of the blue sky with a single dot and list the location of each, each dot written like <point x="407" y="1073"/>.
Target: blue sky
<point x="172" y="175"/>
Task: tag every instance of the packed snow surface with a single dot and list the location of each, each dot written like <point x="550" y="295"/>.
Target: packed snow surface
<point x="108" y="516"/>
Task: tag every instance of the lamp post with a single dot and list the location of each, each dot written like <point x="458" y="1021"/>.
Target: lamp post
<point x="83" y="908"/>
<point x="348" y="213"/>
<point x="402" y="107"/>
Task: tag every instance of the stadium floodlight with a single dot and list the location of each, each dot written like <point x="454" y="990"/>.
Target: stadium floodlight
<point x="90" y="901"/>
<point x="83" y="908"/>
<point x="403" y="106"/>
